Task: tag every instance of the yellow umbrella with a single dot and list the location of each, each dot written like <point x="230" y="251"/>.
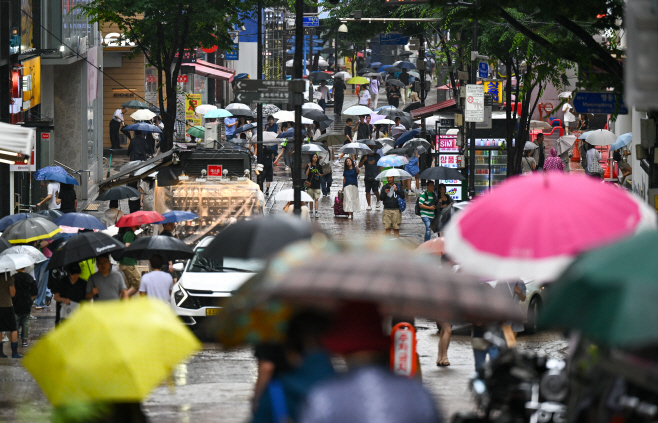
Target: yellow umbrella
<point x="358" y="80"/>
<point x="114" y="351"/>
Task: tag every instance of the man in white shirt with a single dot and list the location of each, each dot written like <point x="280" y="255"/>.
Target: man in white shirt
<point x="51" y="198"/>
<point x="364" y="97"/>
<point x="398" y="129"/>
<point x="569" y="118"/>
<point x="115" y="125"/>
<point x="156" y="283"/>
<point x="324" y="92"/>
<point x="374" y="92"/>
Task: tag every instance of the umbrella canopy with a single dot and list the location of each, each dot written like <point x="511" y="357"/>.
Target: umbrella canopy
<point x="243" y="113"/>
<point x="84" y="246"/>
<point x="375" y="65"/>
<point x="60" y="177"/>
<point x="30" y="230"/>
<point x="566" y="94"/>
<point x="358" y="80"/>
<point x="355" y="148"/>
<point x="418" y="144"/>
<point x="357" y="111"/>
<point x="316" y="115"/>
<point x="10" y="262"/>
<point x="48" y="214"/>
<point x="285" y="115"/>
<point x="414" y="74"/>
<point x="178" y="216"/>
<point x="217" y="114"/>
<point x="406" y="137"/>
<point x="290" y="133"/>
<point x="118" y="193"/>
<point x="402" y="151"/>
<point x="433" y="246"/>
<point x="540" y="124"/>
<point x="412" y="106"/>
<point x="324" y="124"/>
<point x="196" y="131"/>
<point x="268" y="138"/>
<point x="80" y="220"/>
<point x="311" y="149"/>
<point x="405" y="65"/>
<point x="144" y="127"/>
<point x="258" y="238"/>
<point x="565" y="143"/>
<point x="392" y="161"/>
<point x="390" y="69"/>
<point x="7" y="221"/>
<point x="332" y="139"/>
<point x="395" y="82"/>
<point x="392" y="113"/>
<point x="139" y="218"/>
<point x="398" y="174"/>
<point x="622" y="141"/>
<point x="238" y="106"/>
<point x="387" y="141"/>
<point x="529" y="145"/>
<point x="289" y="195"/>
<point x="490" y="238"/>
<point x="308" y="107"/>
<point x="4" y="244"/>
<point x="440" y="173"/>
<point x="143" y="114"/>
<point x="134" y="104"/>
<point x="370" y="143"/>
<point x="319" y="76"/>
<point x="204" y="108"/>
<point x="406" y="53"/>
<point x="168" y="247"/>
<point x="343" y="75"/>
<point x="39" y="174"/>
<point x="385" y="121"/>
<point x="60" y="238"/>
<point x="269" y="109"/>
<point x="600" y="137"/>
<point x="290" y="117"/>
<point x="384" y="108"/>
<point x="36" y="255"/>
<point x="246" y="127"/>
<point x="609" y="294"/>
<point x="88" y="359"/>
<point x="364" y="71"/>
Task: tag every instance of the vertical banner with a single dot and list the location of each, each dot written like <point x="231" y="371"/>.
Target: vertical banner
<point x="32" y="90"/>
<point x="191" y="118"/>
<point x="92" y="73"/>
<point x="495" y="89"/>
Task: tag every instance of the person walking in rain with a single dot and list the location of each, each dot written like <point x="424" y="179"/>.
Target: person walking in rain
<point x="553" y="163"/>
<point x="427" y="202"/>
<point x="528" y="163"/>
<point x="115" y="126"/>
<point x="392" y="216"/>
<point x="374" y="92"/>
<point x="51" y="198"/>
<point x="539" y="153"/>
<point x="339" y="95"/>
<point x="7" y="315"/>
<point x="351" y="187"/>
<point x="106" y="284"/>
<point x="314" y="187"/>
<point x="372" y="184"/>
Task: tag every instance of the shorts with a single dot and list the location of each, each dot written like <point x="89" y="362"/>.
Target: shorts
<point x="392" y="219"/>
<point x="269" y="174"/>
<point x="315" y="193"/>
<point x="132" y="276"/>
<point x="7" y="319"/>
<point x="372" y="185"/>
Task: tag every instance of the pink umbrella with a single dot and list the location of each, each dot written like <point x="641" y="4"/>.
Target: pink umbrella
<point x="374" y="117"/>
<point x="534" y="226"/>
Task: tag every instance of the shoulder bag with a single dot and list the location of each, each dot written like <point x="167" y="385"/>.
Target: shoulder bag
<point x="595" y="168"/>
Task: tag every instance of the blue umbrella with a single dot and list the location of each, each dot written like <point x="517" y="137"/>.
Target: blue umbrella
<point x="406" y="65"/>
<point x="383" y="68"/>
<point x="290" y="133"/>
<point x="622" y="141"/>
<point x="38" y="175"/>
<point x="144" y="127"/>
<point x="60" y="177"/>
<point x="407" y="136"/>
<point x="217" y="114"/>
<point x="80" y="220"/>
<point x="375" y="65"/>
<point x="177" y="216"/>
<point x="584" y="135"/>
<point x="246" y="127"/>
<point x="241" y="76"/>
<point x="7" y="221"/>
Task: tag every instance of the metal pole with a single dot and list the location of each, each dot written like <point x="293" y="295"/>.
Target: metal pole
<point x="336" y="55"/>
<point x="259" y="108"/>
<point x="474" y="67"/>
<point x="298" y="74"/>
<point x="421" y="57"/>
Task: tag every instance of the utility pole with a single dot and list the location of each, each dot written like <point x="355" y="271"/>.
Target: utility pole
<point x="420" y="64"/>
<point x="259" y="107"/>
<point x="474" y="70"/>
<point x="297" y="74"/>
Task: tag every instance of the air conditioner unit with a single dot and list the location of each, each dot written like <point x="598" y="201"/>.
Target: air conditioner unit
<point x="212" y="135"/>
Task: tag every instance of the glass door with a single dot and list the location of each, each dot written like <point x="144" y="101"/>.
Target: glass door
<point x="498" y="167"/>
<point x="481" y="171"/>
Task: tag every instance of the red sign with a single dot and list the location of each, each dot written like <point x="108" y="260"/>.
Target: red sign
<point x="182" y="78"/>
<point x="45" y="136"/>
<point x="448" y="144"/>
<point x="214" y="170"/>
<point x="151" y="78"/>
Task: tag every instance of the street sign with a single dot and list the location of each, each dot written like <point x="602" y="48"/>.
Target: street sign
<point x="602" y="103"/>
<point x="263" y="97"/>
<point x="393" y="40"/>
<point x="256" y="85"/>
<point x="215" y="170"/>
<point x="483" y="70"/>
<point x="311" y="21"/>
<point x="474" y="110"/>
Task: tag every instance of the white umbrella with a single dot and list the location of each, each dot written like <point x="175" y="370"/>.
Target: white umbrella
<point x="565" y="143"/>
<point x="15" y="261"/>
<point x="143" y="114"/>
<point x="540" y="124"/>
<point x="529" y="145"/>
<point x="355" y="148"/>
<point x="342" y="74"/>
<point x="357" y="111"/>
<point x="283" y="114"/>
<point x="601" y="137"/>
<point x="111" y="231"/>
<point x="312" y="148"/>
<point x="238" y="106"/>
<point x="566" y="94"/>
<point x="323" y="62"/>
<point x="398" y="174"/>
<point x="307" y="107"/>
<point x="268" y="138"/>
<point x="385" y="122"/>
<point x="35" y="254"/>
<point x="291" y="118"/>
<point x="289" y="195"/>
<point x="289" y="63"/>
<point x="386" y="148"/>
<point x="204" y="108"/>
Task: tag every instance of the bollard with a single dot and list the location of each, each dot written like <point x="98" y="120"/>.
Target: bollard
<point x="404" y="361"/>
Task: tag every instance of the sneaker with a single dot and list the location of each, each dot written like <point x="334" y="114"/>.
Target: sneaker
<point x="287" y="167"/>
<point x="267" y="191"/>
<point x="368" y="208"/>
<point x="317" y="215"/>
<point x="24" y="343"/>
<point x="16" y="355"/>
<point x="5" y="339"/>
<point x="336" y="163"/>
<point x="33" y="317"/>
<point x="379" y="204"/>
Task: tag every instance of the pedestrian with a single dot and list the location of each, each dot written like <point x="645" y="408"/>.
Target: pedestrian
<point x="26" y="292"/>
<point x="305" y="214"/>
<point x="68" y="199"/>
<point x="539" y="153"/>
<point x="168" y="229"/>
<point x="444" y="199"/>
<point x="271" y="125"/>
<point x="369" y="392"/>
<point x="392" y="216"/>
<point x="583" y="122"/>
<point x="230" y="124"/>
<point x="398" y="129"/>
<point x="350" y="188"/>
<point x="565" y="157"/>
<point x="324" y="95"/>
<point x="327" y="178"/>
<point x="139" y="148"/>
<point x="369" y="161"/>
<point x="316" y="131"/>
<point x="380" y="132"/>
<point x="593" y="166"/>
<point x="427" y="202"/>
<point x="156" y="283"/>
<point x="569" y="118"/>
<point x="72" y="287"/>
<point x="53" y="190"/>
<point x="147" y="188"/>
<point x="7" y="315"/>
<point x="517" y="291"/>
<point x="363" y="129"/>
<point x="106" y="284"/>
<point x="314" y="188"/>
<point x="553" y="163"/>
<point x="134" y="203"/>
<point x="128" y="265"/>
<point x="528" y="163"/>
<point x="115" y="126"/>
<point x="374" y="92"/>
<point x="268" y="166"/>
<point x="112" y="214"/>
<point x="348" y="134"/>
<point x="623" y="167"/>
<point x="393" y="95"/>
<point x="364" y="96"/>
<point x="413" y="168"/>
<point x="44" y="296"/>
<point x="404" y="78"/>
<point x="481" y="347"/>
<point x="339" y="95"/>
<point x="583" y="147"/>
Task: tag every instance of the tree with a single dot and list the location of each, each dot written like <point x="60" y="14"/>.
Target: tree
<point x="163" y="30"/>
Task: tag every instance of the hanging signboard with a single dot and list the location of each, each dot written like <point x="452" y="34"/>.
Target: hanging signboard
<point x="474" y="110"/>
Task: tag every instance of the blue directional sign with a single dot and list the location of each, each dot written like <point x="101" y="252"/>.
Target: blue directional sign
<point x="602" y="103"/>
<point x="234" y="54"/>
<point x="393" y="40"/>
<point x="483" y="70"/>
<point x="311" y="21"/>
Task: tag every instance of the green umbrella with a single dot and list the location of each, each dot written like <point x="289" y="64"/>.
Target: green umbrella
<point x="197" y="131"/>
<point x="135" y="104"/>
<point x="610" y="294"/>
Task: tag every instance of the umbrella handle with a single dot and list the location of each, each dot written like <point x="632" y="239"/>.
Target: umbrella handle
<point x="109" y="167"/>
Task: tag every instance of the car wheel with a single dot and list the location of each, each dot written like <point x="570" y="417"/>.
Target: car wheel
<point x="533" y="311"/>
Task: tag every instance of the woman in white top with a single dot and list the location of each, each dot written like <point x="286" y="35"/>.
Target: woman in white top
<point x="593" y="155"/>
<point x="316" y="130"/>
<point x="364" y="96"/>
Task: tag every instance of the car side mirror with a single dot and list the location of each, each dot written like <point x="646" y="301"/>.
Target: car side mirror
<point x="179" y="267"/>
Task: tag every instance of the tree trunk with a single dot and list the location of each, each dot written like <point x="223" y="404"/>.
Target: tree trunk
<point x="169" y="118"/>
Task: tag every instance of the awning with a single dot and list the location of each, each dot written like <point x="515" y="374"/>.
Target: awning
<point x="208" y="70"/>
<point x="430" y="110"/>
<point x="16" y="139"/>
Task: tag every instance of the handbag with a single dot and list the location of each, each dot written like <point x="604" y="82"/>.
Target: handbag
<point x="595" y="168"/>
<point x="402" y="204"/>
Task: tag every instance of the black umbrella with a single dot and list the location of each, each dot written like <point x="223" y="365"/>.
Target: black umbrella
<point x="258" y="238"/>
<point x="241" y="112"/>
<point x="84" y="246"/>
<point x="50" y="214"/>
<point x="412" y="106"/>
<point x="168" y="247"/>
<point x="325" y="124"/>
<point x="406" y="53"/>
<point x="316" y="115"/>
<point x="393" y="69"/>
<point x="402" y="151"/>
<point x="246" y="127"/>
<point x="393" y="113"/>
<point x="366" y="70"/>
<point x="134" y="104"/>
<point x="395" y="82"/>
<point x="371" y="142"/>
<point x="118" y="193"/>
<point x="319" y="76"/>
<point x="29" y="230"/>
<point x="4" y="244"/>
<point x="441" y="173"/>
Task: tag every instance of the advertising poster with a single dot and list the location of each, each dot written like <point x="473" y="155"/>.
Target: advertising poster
<point x="32" y="68"/>
<point x="495" y="89"/>
<point x="191" y="118"/>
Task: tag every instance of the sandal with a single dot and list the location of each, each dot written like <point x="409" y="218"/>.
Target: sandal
<point x="443" y="363"/>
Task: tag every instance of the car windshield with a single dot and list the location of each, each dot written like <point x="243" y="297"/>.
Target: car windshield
<point x="226" y="264"/>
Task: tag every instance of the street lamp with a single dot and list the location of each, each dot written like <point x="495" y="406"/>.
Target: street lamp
<point x="342" y="32"/>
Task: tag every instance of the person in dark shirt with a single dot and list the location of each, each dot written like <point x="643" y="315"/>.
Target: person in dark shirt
<point x="139" y="148"/>
<point x="392" y="217"/>
<point x="271" y="126"/>
<point x="72" y="288"/>
<point x="363" y="130"/>
<point x="348" y="133"/>
<point x="26" y="292"/>
<point x="372" y="170"/>
<point x="339" y="95"/>
<point x="69" y="200"/>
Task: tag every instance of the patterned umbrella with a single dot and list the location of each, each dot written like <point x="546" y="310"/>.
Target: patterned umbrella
<point x="392" y="161"/>
<point x="39" y="174"/>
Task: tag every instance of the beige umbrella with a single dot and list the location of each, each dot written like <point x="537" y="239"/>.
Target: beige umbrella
<point x="540" y="124"/>
<point x="143" y="114"/>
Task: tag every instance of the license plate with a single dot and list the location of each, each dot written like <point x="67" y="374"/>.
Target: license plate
<point x="212" y="311"/>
